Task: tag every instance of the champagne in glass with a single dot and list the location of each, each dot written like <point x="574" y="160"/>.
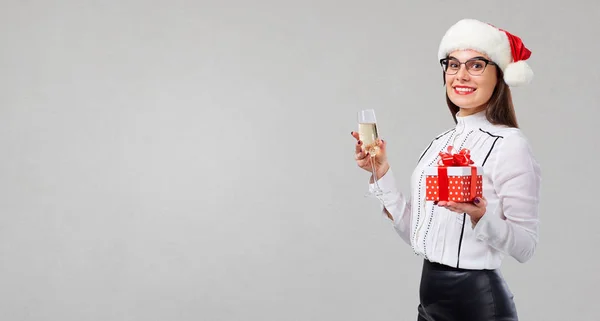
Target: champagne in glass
<point x="369" y="135"/>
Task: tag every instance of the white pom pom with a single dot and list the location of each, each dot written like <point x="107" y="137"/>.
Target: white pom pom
<point x="518" y="73"/>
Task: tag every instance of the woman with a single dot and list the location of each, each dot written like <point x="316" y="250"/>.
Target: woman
<point x="463" y="244"/>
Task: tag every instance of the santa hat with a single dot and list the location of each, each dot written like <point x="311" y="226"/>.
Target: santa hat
<point x="503" y="48"/>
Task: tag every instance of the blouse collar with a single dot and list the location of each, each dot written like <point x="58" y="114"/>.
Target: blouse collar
<point x="476" y="120"/>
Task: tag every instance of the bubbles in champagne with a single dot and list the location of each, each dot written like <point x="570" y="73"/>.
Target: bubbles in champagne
<point x="368" y="134"/>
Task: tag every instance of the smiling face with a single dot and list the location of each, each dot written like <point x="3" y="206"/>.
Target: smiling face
<point x="470" y="93"/>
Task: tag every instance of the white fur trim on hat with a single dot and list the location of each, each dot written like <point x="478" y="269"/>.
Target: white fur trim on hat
<point x="489" y="40"/>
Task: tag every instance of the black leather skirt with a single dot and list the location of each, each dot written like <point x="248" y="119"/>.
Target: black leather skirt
<point x="451" y="294"/>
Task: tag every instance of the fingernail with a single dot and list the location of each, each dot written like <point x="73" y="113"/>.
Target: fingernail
<point x="360" y="142"/>
<point x="435" y="203"/>
<point x="476" y="200"/>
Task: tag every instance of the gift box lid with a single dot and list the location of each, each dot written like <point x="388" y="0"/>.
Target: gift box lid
<point x="454" y="170"/>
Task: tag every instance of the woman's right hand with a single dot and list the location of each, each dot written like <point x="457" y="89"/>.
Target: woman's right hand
<point x="363" y="159"/>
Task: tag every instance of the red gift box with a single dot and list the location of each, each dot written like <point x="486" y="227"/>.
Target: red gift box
<point x="454" y="178"/>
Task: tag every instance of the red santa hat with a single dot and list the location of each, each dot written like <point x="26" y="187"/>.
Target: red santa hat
<point x="503" y="48"/>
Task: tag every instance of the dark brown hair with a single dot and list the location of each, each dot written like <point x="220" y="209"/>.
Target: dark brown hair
<point x="500" y="109"/>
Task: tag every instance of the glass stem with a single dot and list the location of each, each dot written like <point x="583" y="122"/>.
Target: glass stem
<point x="374" y="173"/>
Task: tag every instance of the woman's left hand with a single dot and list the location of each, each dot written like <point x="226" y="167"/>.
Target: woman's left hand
<point x="475" y="210"/>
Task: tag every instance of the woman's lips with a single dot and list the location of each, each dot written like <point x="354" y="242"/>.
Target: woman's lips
<point x="463" y="90"/>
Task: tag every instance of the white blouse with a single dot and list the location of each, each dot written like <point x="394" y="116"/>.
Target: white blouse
<point x="511" y="185"/>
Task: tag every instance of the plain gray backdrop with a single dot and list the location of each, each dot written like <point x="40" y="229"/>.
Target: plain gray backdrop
<point x="192" y="160"/>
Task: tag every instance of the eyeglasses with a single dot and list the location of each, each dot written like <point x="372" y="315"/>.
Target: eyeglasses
<point x="475" y="66"/>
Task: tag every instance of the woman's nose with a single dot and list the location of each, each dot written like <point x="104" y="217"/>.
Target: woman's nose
<point x="462" y="73"/>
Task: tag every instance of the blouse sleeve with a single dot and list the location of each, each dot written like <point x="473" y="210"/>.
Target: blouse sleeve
<point x="396" y="204"/>
<point x="511" y="225"/>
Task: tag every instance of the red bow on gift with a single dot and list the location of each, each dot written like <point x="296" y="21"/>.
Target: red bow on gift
<point x="462" y="158"/>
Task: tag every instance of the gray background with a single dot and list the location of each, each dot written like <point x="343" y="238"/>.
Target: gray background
<point x="192" y="160"/>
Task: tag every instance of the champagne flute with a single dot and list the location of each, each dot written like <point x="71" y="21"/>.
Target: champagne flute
<point x="368" y="134"/>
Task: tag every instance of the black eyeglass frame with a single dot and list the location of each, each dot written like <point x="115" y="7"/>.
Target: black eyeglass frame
<point x="447" y="59"/>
